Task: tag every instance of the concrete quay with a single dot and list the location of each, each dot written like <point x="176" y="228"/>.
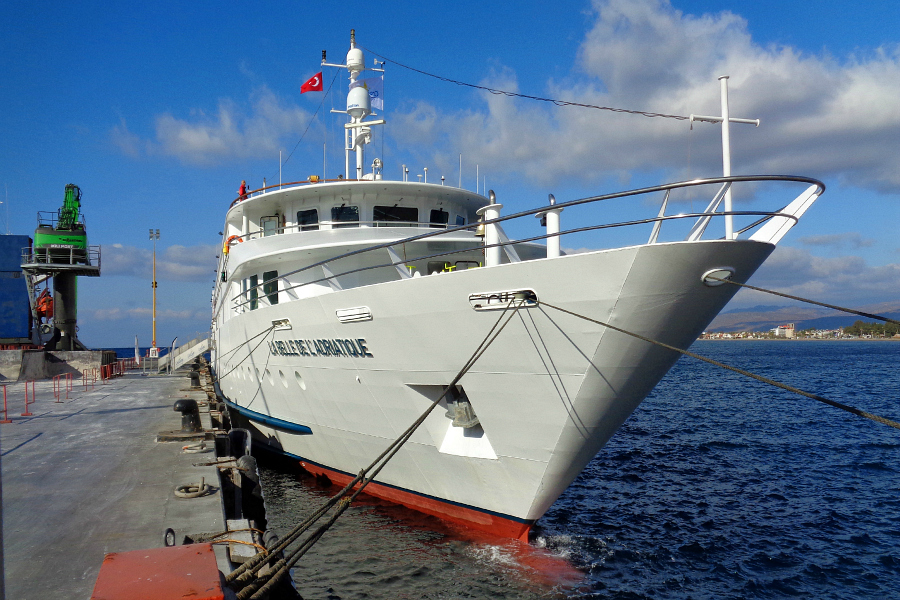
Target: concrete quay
<point x="86" y="477"/>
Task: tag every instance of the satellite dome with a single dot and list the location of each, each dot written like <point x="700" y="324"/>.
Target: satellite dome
<point x="358" y="103"/>
<point x="356" y="62"/>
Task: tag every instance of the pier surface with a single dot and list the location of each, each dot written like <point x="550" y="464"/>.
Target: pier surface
<point x="86" y="477"/>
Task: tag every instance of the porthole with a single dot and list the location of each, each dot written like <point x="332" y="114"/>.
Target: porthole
<point x="300" y="381"/>
<point x="283" y="379"/>
<point x="268" y="376"/>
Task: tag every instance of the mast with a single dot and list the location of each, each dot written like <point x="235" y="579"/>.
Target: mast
<point x="359" y="106"/>
<point x="726" y="119"/>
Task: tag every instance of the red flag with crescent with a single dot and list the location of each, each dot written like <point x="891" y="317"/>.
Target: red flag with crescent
<point x="314" y="84"/>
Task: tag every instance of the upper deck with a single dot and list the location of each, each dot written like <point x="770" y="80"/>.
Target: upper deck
<point x="343" y="204"/>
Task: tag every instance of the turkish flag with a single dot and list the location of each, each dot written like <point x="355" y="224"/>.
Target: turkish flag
<point x="314" y="84"/>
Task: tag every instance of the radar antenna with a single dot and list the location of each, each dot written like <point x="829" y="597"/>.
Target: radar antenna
<point x="358" y="132"/>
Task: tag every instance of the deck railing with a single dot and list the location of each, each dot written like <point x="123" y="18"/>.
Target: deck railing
<point x="89" y="256"/>
<point x="783" y="217"/>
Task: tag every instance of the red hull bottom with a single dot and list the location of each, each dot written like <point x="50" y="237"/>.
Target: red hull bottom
<point x="467" y="517"/>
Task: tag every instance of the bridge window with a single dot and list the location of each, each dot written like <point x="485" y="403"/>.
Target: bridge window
<point x="386" y="216"/>
<point x="460" y="220"/>
<point x="439" y="217"/>
<point x="270" y="286"/>
<point x="254" y="291"/>
<point x="308" y="220"/>
<point x="345" y="214"/>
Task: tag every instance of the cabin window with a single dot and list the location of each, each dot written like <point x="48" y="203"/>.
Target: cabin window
<point x="254" y="291"/>
<point x="386" y="216"/>
<point x="308" y="220"/>
<point x="269" y="225"/>
<point x="460" y="220"/>
<point x="345" y="214"/>
<point x="270" y="286"/>
<point x="439" y="217"/>
<point x="462" y="265"/>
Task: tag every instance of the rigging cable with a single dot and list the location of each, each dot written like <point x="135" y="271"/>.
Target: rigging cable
<point x="850" y="409"/>
<point x="242" y="576"/>
<point x="557" y="102"/>
<point x="783" y="295"/>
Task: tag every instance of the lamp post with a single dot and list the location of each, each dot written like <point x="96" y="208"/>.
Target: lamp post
<point x="154" y="237"/>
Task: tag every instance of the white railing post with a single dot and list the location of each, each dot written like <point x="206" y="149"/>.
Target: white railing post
<point x="550" y="220"/>
<point x="491" y="236"/>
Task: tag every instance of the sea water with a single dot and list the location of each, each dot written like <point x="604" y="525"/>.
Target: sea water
<point x="717" y="487"/>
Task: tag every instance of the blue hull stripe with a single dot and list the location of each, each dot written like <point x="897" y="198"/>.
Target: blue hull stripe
<point x="270" y="421"/>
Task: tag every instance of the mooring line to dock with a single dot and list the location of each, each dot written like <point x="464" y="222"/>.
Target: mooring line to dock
<point x="218" y="377"/>
<point x="778" y="384"/>
<point x="242" y="577"/>
<point x="247" y="341"/>
<point x="807" y="300"/>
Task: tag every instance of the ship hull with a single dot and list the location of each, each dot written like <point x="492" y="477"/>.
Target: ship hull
<point x="549" y="392"/>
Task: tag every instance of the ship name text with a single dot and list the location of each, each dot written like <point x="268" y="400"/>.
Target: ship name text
<point x="333" y="347"/>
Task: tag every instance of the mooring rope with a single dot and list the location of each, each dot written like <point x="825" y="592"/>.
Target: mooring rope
<point x="249" y="354"/>
<point x="243" y="575"/>
<point x="784" y="386"/>
<point x="807" y="300"/>
<point x="247" y="341"/>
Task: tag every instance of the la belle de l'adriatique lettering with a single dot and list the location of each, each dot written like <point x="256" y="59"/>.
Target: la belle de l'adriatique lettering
<point x="335" y="347"/>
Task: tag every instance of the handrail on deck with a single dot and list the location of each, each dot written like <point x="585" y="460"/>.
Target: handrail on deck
<point x="87" y="257"/>
<point x="279" y="186"/>
<point x="379" y="224"/>
<point x="765" y="216"/>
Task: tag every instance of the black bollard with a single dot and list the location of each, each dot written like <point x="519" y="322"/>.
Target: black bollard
<point x="190" y="415"/>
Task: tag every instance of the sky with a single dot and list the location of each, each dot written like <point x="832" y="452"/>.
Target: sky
<point x="159" y="110"/>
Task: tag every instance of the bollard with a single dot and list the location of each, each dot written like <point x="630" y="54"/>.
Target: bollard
<point x="190" y="415"/>
<point x="6" y="418"/>
<point x="69" y="384"/>
<point x="57" y="388"/>
<point x="27" y="413"/>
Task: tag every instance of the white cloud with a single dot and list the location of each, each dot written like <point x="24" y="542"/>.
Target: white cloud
<point x="174" y="263"/>
<point x="232" y="132"/>
<point x="129" y="143"/>
<point x="838" y="240"/>
<point x="820" y="116"/>
<point x="846" y="280"/>
<point x="119" y="314"/>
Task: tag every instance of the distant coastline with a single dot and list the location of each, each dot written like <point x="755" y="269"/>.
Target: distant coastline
<point x="797" y="339"/>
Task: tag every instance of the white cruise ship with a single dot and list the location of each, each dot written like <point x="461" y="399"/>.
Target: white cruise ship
<point x="344" y="308"/>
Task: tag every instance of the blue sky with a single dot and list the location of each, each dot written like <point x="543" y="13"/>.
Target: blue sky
<point x="158" y="111"/>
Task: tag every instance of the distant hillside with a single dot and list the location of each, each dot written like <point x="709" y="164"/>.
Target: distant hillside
<point x="762" y="318"/>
